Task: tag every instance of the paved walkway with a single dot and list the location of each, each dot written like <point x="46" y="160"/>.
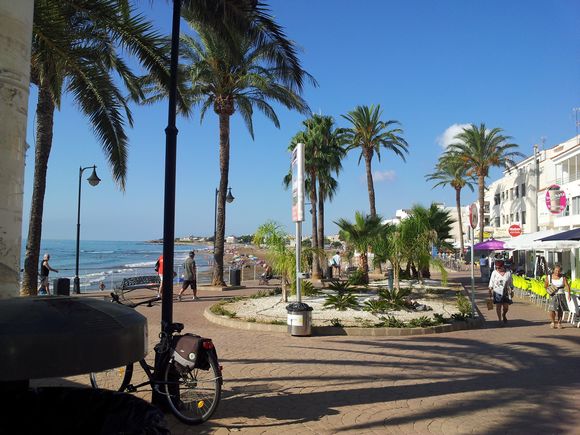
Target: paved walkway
<point x="524" y="378"/>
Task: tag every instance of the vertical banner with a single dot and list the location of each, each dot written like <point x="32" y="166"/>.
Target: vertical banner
<point x="298" y="183"/>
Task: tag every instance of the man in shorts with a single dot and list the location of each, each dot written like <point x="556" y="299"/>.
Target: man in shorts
<point x="189" y="276"/>
<point x="45" y="268"/>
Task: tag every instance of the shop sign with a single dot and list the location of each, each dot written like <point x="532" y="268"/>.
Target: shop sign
<point x="555" y="199"/>
<point x="515" y="230"/>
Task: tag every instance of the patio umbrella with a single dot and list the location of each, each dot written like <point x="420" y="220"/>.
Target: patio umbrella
<point x="490" y="245"/>
<point x="566" y="235"/>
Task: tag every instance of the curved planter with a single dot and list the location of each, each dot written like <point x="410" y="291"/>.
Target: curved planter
<point x="336" y="330"/>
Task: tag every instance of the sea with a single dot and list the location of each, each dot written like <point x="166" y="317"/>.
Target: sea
<point x="108" y="262"/>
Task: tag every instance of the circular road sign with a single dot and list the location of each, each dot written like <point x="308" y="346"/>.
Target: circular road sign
<point x="515" y="230"/>
<point x="473" y="216"/>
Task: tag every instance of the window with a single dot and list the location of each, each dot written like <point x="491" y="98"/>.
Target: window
<point x="568" y="170"/>
<point x="517" y="191"/>
<point x="511" y="217"/>
<point x="576" y="205"/>
<point x="511" y="193"/>
<point x="496" y="199"/>
<point x="497" y="223"/>
<point x="567" y="210"/>
<point x="523" y="189"/>
<point x="517" y="216"/>
<point x="486" y="222"/>
<point x="523" y="217"/>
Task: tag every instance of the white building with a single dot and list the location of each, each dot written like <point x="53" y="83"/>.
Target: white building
<point x="512" y="199"/>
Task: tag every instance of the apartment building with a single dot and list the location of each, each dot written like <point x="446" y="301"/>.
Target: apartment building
<point x="522" y="197"/>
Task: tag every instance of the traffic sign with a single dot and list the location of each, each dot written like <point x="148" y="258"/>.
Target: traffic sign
<point x="515" y="230"/>
<point x="473" y="216"/>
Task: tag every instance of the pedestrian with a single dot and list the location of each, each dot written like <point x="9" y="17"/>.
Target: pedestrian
<point x="501" y="290"/>
<point x="483" y="268"/>
<point x="335" y="263"/>
<point x="189" y="276"/>
<point x="558" y="302"/>
<point x="159" y="270"/>
<point x="45" y="268"/>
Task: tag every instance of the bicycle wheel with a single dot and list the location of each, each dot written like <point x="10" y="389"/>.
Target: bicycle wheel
<point x="193" y="395"/>
<point x="115" y="379"/>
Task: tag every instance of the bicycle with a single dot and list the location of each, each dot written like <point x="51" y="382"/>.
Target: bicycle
<point x="191" y="377"/>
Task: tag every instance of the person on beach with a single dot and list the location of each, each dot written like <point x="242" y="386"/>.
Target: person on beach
<point x="501" y="290"/>
<point x="45" y="269"/>
<point x="558" y="300"/>
<point x="159" y="270"/>
<point x="189" y="276"/>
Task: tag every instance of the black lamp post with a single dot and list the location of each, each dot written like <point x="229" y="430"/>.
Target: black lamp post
<point x="229" y="199"/>
<point x="93" y="181"/>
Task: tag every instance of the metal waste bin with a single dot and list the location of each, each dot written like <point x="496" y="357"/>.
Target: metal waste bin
<point x="299" y="319"/>
<point x="61" y="287"/>
<point x="235" y="277"/>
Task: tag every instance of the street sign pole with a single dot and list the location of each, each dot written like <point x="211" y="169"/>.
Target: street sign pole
<point x="298" y="208"/>
<point x="473" y="218"/>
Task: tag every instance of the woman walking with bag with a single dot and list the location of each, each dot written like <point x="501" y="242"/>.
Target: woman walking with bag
<point x="557" y="284"/>
<point x="501" y="289"/>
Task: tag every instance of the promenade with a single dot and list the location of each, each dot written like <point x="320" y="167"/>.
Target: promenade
<point x="524" y="378"/>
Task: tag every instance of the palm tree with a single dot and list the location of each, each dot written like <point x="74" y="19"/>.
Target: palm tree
<point x="481" y="149"/>
<point x="452" y="171"/>
<point x="370" y="134"/>
<point x="237" y="75"/>
<point x="75" y="49"/>
<point x="360" y="234"/>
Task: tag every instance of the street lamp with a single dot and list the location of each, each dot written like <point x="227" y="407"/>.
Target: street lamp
<point x="93" y="181"/>
<point x="229" y="199"/>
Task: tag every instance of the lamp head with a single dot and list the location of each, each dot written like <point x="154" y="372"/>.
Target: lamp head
<point x="94" y="179"/>
<point x="229" y="197"/>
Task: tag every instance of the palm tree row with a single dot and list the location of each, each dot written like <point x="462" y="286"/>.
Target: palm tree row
<point x="475" y="151"/>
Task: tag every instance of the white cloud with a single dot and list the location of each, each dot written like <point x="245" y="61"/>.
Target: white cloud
<point x="448" y="136"/>
<point x="384" y="175"/>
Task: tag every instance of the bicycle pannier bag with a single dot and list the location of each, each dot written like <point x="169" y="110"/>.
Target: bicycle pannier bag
<point x="189" y="352"/>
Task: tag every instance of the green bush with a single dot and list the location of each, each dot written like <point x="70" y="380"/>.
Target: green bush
<point x="421" y="322"/>
<point x="463" y="305"/>
<point x="376" y="306"/>
<point x="397" y="299"/>
<point x="439" y="318"/>
<point x="308" y="289"/>
<point x="357" y="277"/>
<point x="340" y="286"/>
<point x="219" y="310"/>
<point x="341" y="301"/>
<point x="391" y="322"/>
<point x="335" y="322"/>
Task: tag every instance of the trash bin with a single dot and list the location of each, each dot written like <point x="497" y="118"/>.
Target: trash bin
<point x="299" y="319"/>
<point x="328" y="274"/>
<point x="61" y="287"/>
<point x="235" y="277"/>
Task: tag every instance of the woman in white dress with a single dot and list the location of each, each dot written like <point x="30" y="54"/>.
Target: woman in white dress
<point x="501" y="290"/>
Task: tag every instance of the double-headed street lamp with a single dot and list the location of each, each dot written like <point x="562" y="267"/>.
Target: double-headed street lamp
<point x="93" y="181"/>
<point x="229" y="199"/>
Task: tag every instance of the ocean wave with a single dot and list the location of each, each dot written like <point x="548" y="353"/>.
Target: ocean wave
<point x="141" y="264"/>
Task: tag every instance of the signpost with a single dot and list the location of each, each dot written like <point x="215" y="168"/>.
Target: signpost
<point x="298" y="207"/>
<point x="473" y="220"/>
<point x="515" y="230"/>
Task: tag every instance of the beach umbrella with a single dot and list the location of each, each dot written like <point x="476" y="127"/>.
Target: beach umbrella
<point x="566" y="235"/>
<point x="490" y="245"/>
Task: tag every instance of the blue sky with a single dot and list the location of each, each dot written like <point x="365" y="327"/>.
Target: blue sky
<point x="430" y="65"/>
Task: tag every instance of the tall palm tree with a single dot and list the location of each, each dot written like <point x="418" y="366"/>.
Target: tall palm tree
<point x="76" y="46"/>
<point x="480" y="149"/>
<point x="369" y="133"/>
<point x="237" y="75"/>
<point x="452" y="171"/>
<point x="360" y="235"/>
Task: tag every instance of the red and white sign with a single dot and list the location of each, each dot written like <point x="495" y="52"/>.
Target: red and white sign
<point x="473" y="216"/>
<point x="515" y="230"/>
<point x="556" y="199"/>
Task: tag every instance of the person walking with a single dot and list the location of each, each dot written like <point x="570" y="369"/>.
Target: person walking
<point x="483" y="268"/>
<point x="558" y="302"/>
<point x="335" y="263"/>
<point x="159" y="270"/>
<point x="189" y="276"/>
<point x="501" y="290"/>
<point x="45" y="269"/>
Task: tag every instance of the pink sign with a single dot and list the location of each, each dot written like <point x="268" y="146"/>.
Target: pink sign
<point x="555" y="199"/>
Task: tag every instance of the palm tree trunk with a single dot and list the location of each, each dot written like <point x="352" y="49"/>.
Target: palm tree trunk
<point x="44" y="128"/>
<point x="321" y="219"/>
<point x="481" y="182"/>
<point x="315" y="265"/>
<point x="364" y="263"/>
<point x="218" y="266"/>
<point x="15" y="40"/>
<point x="459" y="220"/>
<point x="370" y="185"/>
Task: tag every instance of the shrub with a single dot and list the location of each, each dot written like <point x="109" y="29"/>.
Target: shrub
<point x="341" y="302"/>
<point x="219" y="310"/>
<point x="391" y="322"/>
<point x="463" y="305"/>
<point x="439" y="318"/>
<point x="421" y="322"/>
<point x="308" y="289"/>
<point x="340" y="286"/>
<point x="335" y="322"/>
<point x="357" y="277"/>
<point x="395" y="298"/>
<point x="376" y="306"/>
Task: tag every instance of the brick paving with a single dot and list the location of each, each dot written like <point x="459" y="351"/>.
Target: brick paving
<point x="523" y="378"/>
